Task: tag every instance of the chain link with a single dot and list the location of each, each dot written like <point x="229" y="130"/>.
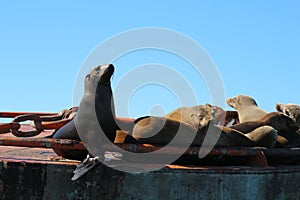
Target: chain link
<point x="39" y="121"/>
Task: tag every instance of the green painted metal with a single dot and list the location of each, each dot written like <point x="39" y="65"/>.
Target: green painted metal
<point x="21" y="180"/>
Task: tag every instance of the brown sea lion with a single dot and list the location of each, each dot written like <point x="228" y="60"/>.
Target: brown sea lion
<point x="277" y="120"/>
<point x="247" y="108"/>
<point x="231" y="118"/>
<point x="160" y="130"/>
<point x="264" y="136"/>
<point x="287" y="129"/>
<point x="292" y="110"/>
<point x="198" y="116"/>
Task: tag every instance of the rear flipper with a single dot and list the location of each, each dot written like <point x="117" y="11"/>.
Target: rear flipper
<point x="264" y="136"/>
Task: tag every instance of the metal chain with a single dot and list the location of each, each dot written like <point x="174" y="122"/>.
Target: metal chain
<point x="39" y="121"/>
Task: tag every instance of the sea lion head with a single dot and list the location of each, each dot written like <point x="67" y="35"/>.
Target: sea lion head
<point x="241" y="100"/>
<point x="99" y="75"/>
<point x="203" y="115"/>
<point x="292" y="110"/>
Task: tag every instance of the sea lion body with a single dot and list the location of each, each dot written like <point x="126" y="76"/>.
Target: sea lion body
<point x="196" y="116"/>
<point x="287" y="128"/>
<point x="160" y="130"/>
<point x="264" y="136"/>
<point x="97" y="92"/>
<point x="292" y="110"/>
<point x="277" y="120"/>
<point x="247" y="108"/>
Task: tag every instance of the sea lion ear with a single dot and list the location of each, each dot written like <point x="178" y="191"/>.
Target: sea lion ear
<point x="88" y="76"/>
<point x="278" y="107"/>
<point x="108" y="71"/>
<point x="208" y="105"/>
<point x="237" y="100"/>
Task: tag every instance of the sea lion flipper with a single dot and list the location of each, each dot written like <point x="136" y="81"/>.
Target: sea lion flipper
<point x="265" y="136"/>
<point x="85" y="166"/>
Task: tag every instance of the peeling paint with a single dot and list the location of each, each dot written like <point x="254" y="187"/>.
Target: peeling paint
<point x="42" y="180"/>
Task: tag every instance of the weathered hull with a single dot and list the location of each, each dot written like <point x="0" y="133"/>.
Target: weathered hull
<point x="38" y="180"/>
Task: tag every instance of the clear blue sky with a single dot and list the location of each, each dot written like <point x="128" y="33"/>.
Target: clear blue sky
<point x="255" y="45"/>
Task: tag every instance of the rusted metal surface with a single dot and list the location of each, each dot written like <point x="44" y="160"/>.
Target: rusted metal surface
<point x="248" y="156"/>
<point x="15" y="114"/>
<point x="40" y="121"/>
<point x="47" y="177"/>
<point x="43" y="143"/>
<point x="6" y="128"/>
<point x="22" y="118"/>
<point x="136" y="148"/>
<point x="56" y="124"/>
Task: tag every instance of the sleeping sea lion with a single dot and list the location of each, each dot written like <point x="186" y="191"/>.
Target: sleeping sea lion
<point x="286" y="127"/>
<point x="200" y="114"/>
<point x="277" y="120"/>
<point x="160" y="130"/>
<point x="196" y="116"/>
<point x="292" y="110"/>
<point x="247" y="108"/>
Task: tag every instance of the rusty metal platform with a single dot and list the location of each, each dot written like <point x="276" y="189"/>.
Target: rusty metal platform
<point x="52" y="180"/>
<point x="249" y="173"/>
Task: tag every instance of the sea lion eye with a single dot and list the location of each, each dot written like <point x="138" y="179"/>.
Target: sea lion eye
<point x="287" y="112"/>
<point x="97" y="70"/>
<point x="200" y="117"/>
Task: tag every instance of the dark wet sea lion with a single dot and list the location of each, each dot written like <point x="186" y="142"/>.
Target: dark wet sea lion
<point x="292" y="110"/>
<point x="247" y="108"/>
<point x="264" y="136"/>
<point x="99" y="94"/>
<point x="287" y="128"/>
<point x="277" y="120"/>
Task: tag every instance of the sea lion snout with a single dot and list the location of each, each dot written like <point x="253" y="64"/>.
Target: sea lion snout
<point x="230" y="102"/>
<point x="108" y="71"/>
<point x="105" y="73"/>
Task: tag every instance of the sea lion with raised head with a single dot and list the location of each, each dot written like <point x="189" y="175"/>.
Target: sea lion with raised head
<point x="246" y="107"/>
<point x="97" y="91"/>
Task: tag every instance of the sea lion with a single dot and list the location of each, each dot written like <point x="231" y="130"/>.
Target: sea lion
<point x="160" y="130"/>
<point x="286" y="127"/>
<point x="104" y="107"/>
<point x="277" y="120"/>
<point x="247" y="108"/>
<point x="264" y="136"/>
<point x="226" y="118"/>
<point x="196" y="116"/>
<point x="199" y="115"/>
<point x="292" y="110"/>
